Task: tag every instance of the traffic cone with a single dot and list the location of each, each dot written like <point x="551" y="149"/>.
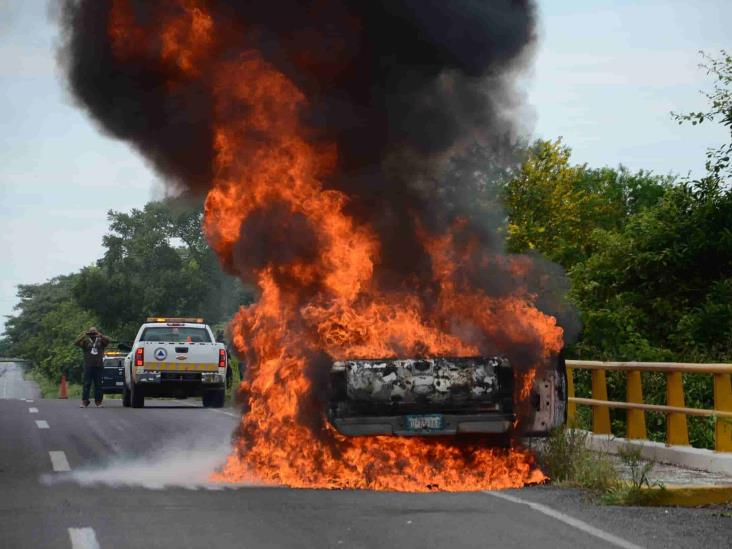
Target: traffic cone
<point x="62" y="391"/>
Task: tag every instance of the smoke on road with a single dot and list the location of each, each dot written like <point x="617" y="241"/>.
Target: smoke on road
<point x="182" y="463"/>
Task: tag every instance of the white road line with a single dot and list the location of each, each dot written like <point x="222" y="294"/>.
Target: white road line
<point x="83" y="538"/>
<point x="33" y="410"/>
<point x="576" y="523"/>
<point x="42" y="424"/>
<point x="58" y="461"/>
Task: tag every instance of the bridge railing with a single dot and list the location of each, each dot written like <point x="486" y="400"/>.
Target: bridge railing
<point x="675" y="409"/>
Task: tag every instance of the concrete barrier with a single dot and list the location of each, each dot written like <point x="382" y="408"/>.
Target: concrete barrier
<point x="682" y="456"/>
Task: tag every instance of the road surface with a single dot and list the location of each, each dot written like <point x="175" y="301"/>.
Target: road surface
<point x="12" y="384"/>
<point x="63" y="473"/>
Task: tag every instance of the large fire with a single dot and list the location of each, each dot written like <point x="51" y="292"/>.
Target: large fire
<point x="320" y="297"/>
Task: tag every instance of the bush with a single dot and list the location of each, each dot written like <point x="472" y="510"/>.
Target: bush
<point x="568" y="461"/>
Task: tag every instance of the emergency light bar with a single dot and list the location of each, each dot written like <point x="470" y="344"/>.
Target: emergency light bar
<point x="114" y="353"/>
<point x="192" y="320"/>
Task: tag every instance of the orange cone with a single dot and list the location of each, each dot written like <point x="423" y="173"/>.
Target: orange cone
<point x="62" y="391"/>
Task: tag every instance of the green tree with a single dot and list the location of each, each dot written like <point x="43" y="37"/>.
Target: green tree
<point x="554" y="207"/>
<point x="661" y="287"/>
<point x="157" y="262"/>
<point x="47" y="322"/>
<point x="720" y="111"/>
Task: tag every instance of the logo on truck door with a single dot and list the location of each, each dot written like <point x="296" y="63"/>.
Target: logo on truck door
<point x="160" y="353"/>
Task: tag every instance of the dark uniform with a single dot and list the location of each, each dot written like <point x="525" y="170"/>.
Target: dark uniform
<point x="93" y="345"/>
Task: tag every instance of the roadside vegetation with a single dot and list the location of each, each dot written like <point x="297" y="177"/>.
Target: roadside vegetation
<point x="156" y="262"/>
<point x="49" y="387"/>
<point x="568" y="461"/>
<point x="649" y="258"/>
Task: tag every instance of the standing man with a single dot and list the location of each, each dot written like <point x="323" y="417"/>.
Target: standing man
<point x="92" y="342"/>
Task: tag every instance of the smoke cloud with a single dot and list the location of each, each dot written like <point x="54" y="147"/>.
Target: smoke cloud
<point x="398" y="117"/>
<point x="412" y="93"/>
<point x="185" y="461"/>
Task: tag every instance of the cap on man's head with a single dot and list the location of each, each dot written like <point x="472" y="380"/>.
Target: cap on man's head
<point x="92" y="329"/>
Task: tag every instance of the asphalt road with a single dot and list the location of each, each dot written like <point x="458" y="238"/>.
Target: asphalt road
<point x="12" y="384"/>
<point x="120" y="477"/>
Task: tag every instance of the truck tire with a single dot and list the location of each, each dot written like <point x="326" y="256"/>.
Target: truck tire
<point x="126" y="397"/>
<point x="137" y="397"/>
<point x="214" y="399"/>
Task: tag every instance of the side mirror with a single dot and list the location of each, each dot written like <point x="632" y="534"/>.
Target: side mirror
<point x="124" y="347"/>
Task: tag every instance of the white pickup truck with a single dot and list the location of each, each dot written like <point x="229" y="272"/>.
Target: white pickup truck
<point x="178" y="358"/>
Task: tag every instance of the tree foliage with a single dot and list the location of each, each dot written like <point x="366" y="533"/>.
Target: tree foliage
<point x="720" y="111"/>
<point x="554" y="207"/>
<point x="661" y="287"/>
<point x="157" y="262"/>
<point x="649" y="258"/>
<point x="46" y="324"/>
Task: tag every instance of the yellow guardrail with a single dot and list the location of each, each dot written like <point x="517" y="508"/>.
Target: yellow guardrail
<point x="675" y="409"/>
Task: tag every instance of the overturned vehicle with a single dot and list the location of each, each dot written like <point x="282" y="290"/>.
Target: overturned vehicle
<point x="444" y="396"/>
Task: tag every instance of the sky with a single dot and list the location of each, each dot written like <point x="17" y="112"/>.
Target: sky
<point x="605" y="78"/>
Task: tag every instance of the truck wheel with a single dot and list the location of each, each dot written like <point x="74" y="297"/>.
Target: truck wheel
<point x="137" y="397"/>
<point x="214" y="399"/>
<point x="126" y="397"/>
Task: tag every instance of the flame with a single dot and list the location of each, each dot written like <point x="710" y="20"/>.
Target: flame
<point x="324" y="302"/>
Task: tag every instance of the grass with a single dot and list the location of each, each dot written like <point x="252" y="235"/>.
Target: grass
<point x="50" y="387"/>
<point x="569" y="462"/>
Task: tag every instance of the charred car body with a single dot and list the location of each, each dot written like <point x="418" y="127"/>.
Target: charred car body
<point x="443" y="396"/>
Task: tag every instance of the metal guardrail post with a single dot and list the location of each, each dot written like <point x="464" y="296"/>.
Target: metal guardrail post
<point x="677" y="431"/>
<point x="636" y="419"/>
<point x="600" y="413"/>
<point x="571" y="406"/>
<point x="723" y="403"/>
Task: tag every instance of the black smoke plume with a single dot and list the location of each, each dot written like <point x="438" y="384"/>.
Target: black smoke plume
<point x="410" y="91"/>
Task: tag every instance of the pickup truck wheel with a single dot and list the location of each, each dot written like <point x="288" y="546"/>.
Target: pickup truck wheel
<point x="126" y="397"/>
<point x="214" y="399"/>
<point x="137" y="397"/>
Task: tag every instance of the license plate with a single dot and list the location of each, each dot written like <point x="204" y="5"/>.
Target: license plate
<point x="431" y="422"/>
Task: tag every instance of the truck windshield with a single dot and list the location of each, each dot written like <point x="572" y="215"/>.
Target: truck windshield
<point x="176" y="334"/>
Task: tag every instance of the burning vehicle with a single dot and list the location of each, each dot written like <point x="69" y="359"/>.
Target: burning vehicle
<point x="443" y="396"/>
<point x="350" y="156"/>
